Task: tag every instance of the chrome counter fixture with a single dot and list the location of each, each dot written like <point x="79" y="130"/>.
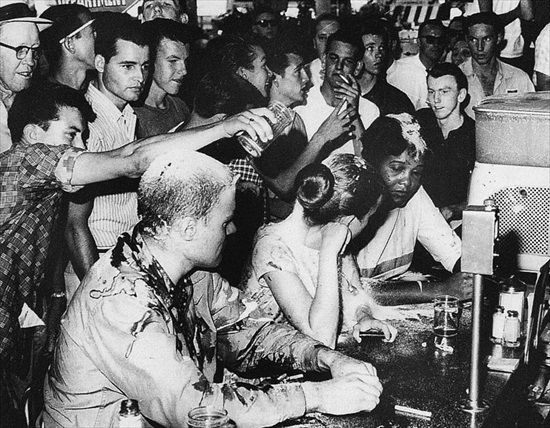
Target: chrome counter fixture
<point x="479" y="232"/>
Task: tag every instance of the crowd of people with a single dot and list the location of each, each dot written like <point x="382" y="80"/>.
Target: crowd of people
<point x="143" y="251"/>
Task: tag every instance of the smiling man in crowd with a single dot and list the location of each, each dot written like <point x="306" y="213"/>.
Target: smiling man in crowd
<point x="450" y="135"/>
<point x="169" y="43"/>
<point x="19" y="43"/>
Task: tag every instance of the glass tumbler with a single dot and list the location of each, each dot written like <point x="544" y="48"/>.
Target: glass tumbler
<point x="253" y="145"/>
<point x="446" y="321"/>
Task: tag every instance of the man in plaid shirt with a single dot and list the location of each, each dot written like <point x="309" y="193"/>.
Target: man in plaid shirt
<point x="48" y="125"/>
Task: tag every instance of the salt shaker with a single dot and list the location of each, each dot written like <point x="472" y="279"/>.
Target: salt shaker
<point x="498" y="324"/>
<point x="511" y="330"/>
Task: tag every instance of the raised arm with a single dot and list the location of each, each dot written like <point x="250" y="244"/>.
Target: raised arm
<point x="315" y="316"/>
<point x="332" y="133"/>
<point x="133" y="159"/>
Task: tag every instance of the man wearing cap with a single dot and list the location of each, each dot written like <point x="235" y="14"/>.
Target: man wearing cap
<point x="19" y="43"/>
<point x="69" y="45"/>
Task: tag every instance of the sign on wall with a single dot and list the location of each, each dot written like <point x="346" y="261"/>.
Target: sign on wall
<point x="94" y="4"/>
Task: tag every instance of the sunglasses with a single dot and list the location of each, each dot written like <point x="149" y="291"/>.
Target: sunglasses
<point x="21" y="52"/>
<point x="432" y="40"/>
<point x="264" y="23"/>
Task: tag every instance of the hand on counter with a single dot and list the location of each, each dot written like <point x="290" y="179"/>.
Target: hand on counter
<point x="350" y="393"/>
<point x="390" y="332"/>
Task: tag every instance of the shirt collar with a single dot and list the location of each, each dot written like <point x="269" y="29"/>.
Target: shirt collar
<point x="104" y="106"/>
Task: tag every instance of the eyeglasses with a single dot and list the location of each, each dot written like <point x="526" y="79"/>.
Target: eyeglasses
<point x="22" y="51"/>
<point x="264" y="23"/>
<point x="432" y="40"/>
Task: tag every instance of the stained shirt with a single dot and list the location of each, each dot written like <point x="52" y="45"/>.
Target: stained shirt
<point x="509" y="80"/>
<point x="120" y="339"/>
<point x="113" y="213"/>
<point x="33" y="178"/>
<point x="446" y="176"/>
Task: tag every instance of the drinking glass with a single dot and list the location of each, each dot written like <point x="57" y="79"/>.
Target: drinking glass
<point x="446" y="321"/>
<point x="253" y="145"/>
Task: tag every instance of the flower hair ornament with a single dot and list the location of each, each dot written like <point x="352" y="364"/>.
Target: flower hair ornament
<point x="410" y="130"/>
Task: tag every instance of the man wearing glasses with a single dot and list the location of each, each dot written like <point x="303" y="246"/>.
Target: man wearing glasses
<point x="19" y="44"/>
<point x="409" y="73"/>
<point x="265" y="24"/>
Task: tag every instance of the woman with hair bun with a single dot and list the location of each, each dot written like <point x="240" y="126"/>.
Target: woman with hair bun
<point x="299" y="271"/>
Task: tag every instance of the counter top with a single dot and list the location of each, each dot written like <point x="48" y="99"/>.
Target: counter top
<point x="417" y="375"/>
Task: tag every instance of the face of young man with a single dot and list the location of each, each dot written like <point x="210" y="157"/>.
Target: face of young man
<point x="258" y="74"/>
<point x="375" y="53"/>
<point x="291" y="86"/>
<point x="68" y="129"/>
<point x="483" y="43"/>
<point x="167" y="9"/>
<point x="444" y="97"/>
<point x="15" y="74"/>
<point x="341" y="60"/>
<point x="432" y="42"/>
<point x="213" y="230"/>
<point x="323" y="31"/>
<point x="125" y="73"/>
<point x="401" y="175"/>
<point x="170" y="65"/>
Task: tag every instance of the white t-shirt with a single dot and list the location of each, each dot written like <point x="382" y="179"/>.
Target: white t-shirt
<point x="315" y="112"/>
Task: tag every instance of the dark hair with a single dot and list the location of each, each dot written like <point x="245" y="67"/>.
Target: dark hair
<point x="232" y="52"/>
<point x="111" y="27"/>
<point x="376" y="28"/>
<point x="461" y="20"/>
<point x="219" y="92"/>
<point x="263" y="9"/>
<point x="350" y="37"/>
<point x="277" y="56"/>
<point x="487" y="18"/>
<point x="386" y="137"/>
<point x="66" y="18"/>
<point x="41" y="106"/>
<point x="159" y="29"/>
<point x="344" y="185"/>
<point x="449" y="69"/>
<point x="433" y="23"/>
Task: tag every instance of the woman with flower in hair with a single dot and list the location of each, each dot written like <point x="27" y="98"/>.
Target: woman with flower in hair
<point x="300" y="272"/>
<point x="394" y="145"/>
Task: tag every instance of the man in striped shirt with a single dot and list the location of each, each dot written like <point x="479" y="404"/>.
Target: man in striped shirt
<point x="110" y="208"/>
